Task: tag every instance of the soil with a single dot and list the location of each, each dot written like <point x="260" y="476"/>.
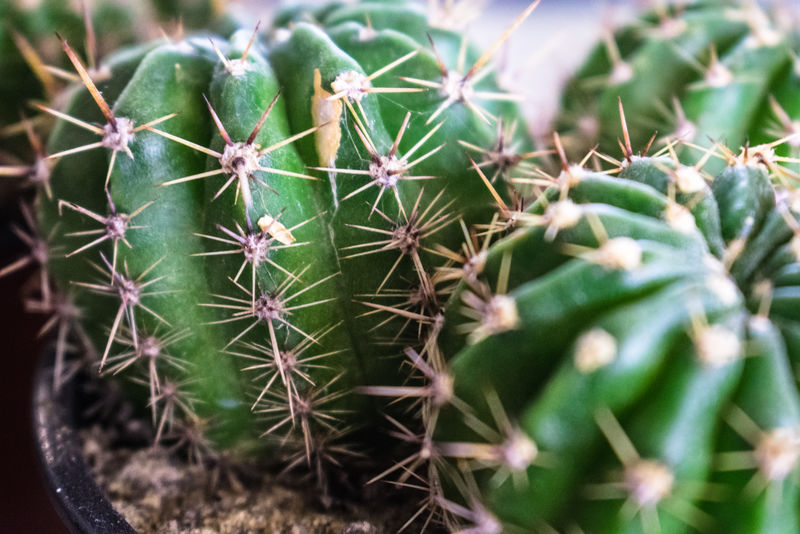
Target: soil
<point x="158" y="492"/>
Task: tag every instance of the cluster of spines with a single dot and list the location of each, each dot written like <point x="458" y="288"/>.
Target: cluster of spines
<point x="170" y="398"/>
<point x="170" y="401"/>
<point x="43" y="297"/>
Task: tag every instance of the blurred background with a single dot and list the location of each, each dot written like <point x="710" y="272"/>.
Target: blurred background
<point x="537" y="59"/>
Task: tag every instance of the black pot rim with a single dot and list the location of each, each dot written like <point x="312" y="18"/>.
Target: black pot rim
<point x="82" y="505"/>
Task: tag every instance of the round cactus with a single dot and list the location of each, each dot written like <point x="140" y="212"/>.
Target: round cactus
<point x="624" y="360"/>
<point x="250" y="229"/>
<point x="701" y="72"/>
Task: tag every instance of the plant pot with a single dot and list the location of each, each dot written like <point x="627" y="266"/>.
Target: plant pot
<point x="64" y="421"/>
<point x="77" y="498"/>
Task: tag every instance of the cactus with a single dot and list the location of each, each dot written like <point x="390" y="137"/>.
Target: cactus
<point x="623" y="360"/>
<point x="268" y="234"/>
<point x="261" y="238"/>
<point x="726" y="72"/>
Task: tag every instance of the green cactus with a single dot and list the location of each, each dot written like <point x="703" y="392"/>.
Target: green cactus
<point x="703" y="72"/>
<point x="264" y="233"/>
<point x="260" y="239"/>
<point x="615" y="369"/>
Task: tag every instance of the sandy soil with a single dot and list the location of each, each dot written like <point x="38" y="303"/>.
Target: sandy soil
<point x="160" y="493"/>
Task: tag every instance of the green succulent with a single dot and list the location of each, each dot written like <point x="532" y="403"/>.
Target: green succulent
<point x="625" y="360"/>
<point x="700" y="72"/>
<point x="267" y="234"/>
<point x="259" y="239"/>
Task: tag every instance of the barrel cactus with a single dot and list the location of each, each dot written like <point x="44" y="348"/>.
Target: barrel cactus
<point x="248" y="228"/>
<point x="267" y="234"/>
<point x="702" y="72"/>
<point x="625" y="359"/>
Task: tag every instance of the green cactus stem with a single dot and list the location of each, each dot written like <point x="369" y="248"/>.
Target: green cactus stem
<point x="260" y="239"/>
<point x="609" y="360"/>
<point x="700" y="72"/>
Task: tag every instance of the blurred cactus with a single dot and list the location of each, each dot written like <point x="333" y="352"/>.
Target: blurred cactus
<point x="699" y="72"/>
